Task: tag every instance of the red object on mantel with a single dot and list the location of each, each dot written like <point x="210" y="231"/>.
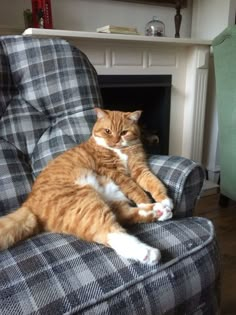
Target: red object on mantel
<point x="42" y="13"/>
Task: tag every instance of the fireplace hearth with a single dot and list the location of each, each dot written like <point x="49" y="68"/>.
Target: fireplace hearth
<point x="149" y="93"/>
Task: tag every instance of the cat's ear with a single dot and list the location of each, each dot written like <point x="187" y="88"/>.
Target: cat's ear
<point x="134" y="116"/>
<point x="100" y="113"/>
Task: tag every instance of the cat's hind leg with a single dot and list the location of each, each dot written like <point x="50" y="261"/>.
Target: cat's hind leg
<point x="92" y="219"/>
<point x="131" y="247"/>
<point x="95" y="220"/>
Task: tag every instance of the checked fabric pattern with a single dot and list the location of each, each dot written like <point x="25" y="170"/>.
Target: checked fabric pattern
<point x="55" y="274"/>
<point x="48" y="90"/>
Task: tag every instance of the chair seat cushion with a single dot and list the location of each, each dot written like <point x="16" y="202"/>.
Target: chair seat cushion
<point x="59" y="274"/>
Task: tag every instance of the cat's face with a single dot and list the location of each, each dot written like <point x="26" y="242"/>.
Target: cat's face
<point x="115" y="129"/>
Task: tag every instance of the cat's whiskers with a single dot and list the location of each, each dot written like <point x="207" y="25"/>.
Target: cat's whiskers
<point x="129" y="143"/>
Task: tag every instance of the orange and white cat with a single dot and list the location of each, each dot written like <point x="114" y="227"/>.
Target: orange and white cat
<point x="95" y="189"/>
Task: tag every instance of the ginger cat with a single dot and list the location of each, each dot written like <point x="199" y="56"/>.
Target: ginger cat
<point x="93" y="190"/>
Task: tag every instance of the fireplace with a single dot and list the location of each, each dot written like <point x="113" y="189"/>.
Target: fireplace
<point x="184" y="59"/>
<point x="149" y="93"/>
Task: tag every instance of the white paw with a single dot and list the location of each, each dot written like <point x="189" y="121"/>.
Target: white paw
<point x="130" y="247"/>
<point x="163" y="209"/>
<point x="149" y="255"/>
<point x="167" y="203"/>
<point x="166" y="215"/>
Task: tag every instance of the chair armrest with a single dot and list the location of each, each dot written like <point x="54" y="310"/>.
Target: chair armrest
<point x="183" y="179"/>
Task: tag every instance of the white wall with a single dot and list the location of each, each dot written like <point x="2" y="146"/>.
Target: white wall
<point x="209" y="17"/>
<point x="87" y="15"/>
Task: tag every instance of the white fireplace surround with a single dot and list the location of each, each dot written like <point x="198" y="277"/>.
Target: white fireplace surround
<point x="186" y="60"/>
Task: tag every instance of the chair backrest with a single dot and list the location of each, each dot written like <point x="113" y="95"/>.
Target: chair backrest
<point x="48" y="90"/>
<point x="224" y="49"/>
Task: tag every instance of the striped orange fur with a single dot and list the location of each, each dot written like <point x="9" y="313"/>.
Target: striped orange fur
<point x="93" y="189"/>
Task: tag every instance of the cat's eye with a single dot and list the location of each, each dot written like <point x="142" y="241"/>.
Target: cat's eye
<point x="124" y="132"/>
<point x="108" y="131"/>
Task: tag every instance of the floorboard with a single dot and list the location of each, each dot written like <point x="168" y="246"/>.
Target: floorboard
<point x="224" y="220"/>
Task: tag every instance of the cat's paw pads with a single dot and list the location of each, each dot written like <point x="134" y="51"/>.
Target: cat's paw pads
<point x="163" y="209"/>
<point x="160" y="210"/>
<point x="149" y="255"/>
<point x="166" y="215"/>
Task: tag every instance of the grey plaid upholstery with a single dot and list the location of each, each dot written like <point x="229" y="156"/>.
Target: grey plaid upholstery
<point x="183" y="179"/>
<point x="47" y="91"/>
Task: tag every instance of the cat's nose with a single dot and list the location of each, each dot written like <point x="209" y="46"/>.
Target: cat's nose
<point x="117" y="139"/>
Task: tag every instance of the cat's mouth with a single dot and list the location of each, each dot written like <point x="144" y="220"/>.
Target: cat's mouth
<point x="123" y="144"/>
<point x="118" y="146"/>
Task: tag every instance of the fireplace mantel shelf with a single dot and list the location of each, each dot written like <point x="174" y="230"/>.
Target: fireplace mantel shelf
<point x="185" y="59"/>
<point x="116" y="37"/>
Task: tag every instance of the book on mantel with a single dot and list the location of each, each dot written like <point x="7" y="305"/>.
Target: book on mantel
<point x="112" y="29"/>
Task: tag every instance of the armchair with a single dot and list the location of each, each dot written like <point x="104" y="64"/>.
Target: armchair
<point x="48" y="89"/>
<point x="224" y="49"/>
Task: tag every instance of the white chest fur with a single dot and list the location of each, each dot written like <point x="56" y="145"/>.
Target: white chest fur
<point x="123" y="157"/>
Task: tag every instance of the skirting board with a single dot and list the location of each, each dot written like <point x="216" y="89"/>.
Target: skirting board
<point x="209" y="188"/>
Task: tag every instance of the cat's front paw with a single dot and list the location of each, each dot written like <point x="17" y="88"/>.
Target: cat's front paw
<point x="167" y="203"/>
<point x="163" y="209"/>
<point x="160" y="211"/>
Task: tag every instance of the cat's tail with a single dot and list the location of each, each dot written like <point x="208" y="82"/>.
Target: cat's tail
<point x="17" y="226"/>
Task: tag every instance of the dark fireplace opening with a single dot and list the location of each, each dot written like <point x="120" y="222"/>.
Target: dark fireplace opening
<point x="149" y="93"/>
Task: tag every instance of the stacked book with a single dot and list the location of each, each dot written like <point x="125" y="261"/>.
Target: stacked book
<point x="112" y="29"/>
<point x="42" y="13"/>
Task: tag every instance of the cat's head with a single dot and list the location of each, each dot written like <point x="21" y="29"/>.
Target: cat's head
<point x="115" y="129"/>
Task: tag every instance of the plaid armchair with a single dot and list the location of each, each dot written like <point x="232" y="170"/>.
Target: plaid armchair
<point x="47" y="92"/>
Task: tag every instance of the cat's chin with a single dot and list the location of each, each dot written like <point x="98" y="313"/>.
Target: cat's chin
<point x="120" y="146"/>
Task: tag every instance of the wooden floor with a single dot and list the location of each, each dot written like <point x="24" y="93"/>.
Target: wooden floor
<point x="224" y="220"/>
